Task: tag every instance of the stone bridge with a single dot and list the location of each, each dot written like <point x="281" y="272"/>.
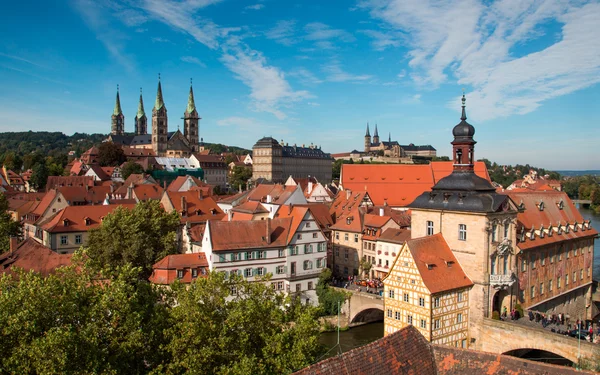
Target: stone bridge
<point x="362" y="307"/>
<point x="504" y="337"/>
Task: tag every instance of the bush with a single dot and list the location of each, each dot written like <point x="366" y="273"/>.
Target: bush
<point x="519" y="309"/>
<point x="496" y="315"/>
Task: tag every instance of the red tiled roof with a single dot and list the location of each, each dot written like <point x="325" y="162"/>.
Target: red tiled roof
<point x="345" y="201"/>
<point x="252" y="207"/>
<point x="45" y="203"/>
<point x="398" y="184"/>
<point x="54" y="182"/>
<point x="531" y="216"/>
<point x="100" y="172"/>
<point x="237" y="235"/>
<point x="73" y="218"/>
<point x="402" y="218"/>
<point x="180" y="180"/>
<point x="279" y="193"/>
<point x="375" y="221"/>
<point x="147" y="192"/>
<point x="137" y="152"/>
<point x="32" y="256"/>
<point x="197" y="232"/>
<point x="320" y="212"/>
<point x="437" y="265"/>
<point x="394" y="235"/>
<point x="198" y="210"/>
<point x="73" y="194"/>
<point x="349" y="221"/>
<point x="165" y="270"/>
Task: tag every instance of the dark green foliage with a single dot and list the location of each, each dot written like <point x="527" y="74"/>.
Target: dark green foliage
<point x="240" y="176"/>
<point x="8" y="226"/>
<point x="46" y="143"/>
<point x="506" y="175"/>
<point x="329" y="298"/>
<point x="217" y="148"/>
<point x="111" y="155"/>
<point x="337" y="168"/>
<point x="140" y="236"/>
<point x="39" y="176"/>
<point x="131" y="168"/>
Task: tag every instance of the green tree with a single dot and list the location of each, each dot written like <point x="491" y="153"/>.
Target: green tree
<point x="111" y="155"/>
<point x="236" y="327"/>
<point x="8" y="226"/>
<point x="329" y="298"/>
<point x="140" y="236"/>
<point x="39" y="176"/>
<point x="12" y="161"/>
<point x="130" y="168"/>
<point x="30" y="160"/>
<point x="240" y="176"/>
<point x="365" y="266"/>
<point x="68" y="323"/>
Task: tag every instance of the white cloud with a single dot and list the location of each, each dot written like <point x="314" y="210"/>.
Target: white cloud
<point x="160" y="40"/>
<point x="283" y="32"/>
<point x="335" y="73"/>
<point x="193" y="60"/>
<point x="381" y="40"/>
<point x="305" y="76"/>
<point x="320" y="31"/>
<point x="478" y="44"/>
<point x="255" y="7"/>
<point x="269" y="90"/>
<point x="132" y="17"/>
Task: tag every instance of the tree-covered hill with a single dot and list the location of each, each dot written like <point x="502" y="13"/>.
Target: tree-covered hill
<point x="507" y="174"/>
<point x="46" y="143"/>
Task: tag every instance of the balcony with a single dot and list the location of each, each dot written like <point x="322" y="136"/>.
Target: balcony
<point x="503" y="281"/>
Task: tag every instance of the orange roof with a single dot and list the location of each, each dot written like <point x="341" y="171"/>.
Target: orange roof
<point x="349" y="221"/>
<point x="54" y="182"/>
<point x="436" y="263"/>
<point x="375" y="221"/>
<point x="279" y="193"/>
<point x="45" y="203"/>
<point x="320" y="213"/>
<point x="393" y="235"/>
<point x="197" y="232"/>
<point x="132" y="151"/>
<point x="73" y="218"/>
<point x="147" y="192"/>
<point x="346" y="201"/>
<point x="398" y="184"/>
<point x="238" y="235"/>
<point x="251" y="207"/>
<point x="198" y="210"/>
<point x="530" y="214"/>
<point x="402" y="218"/>
<point x="297" y="214"/>
<point x="180" y="180"/>
<point x="165" y="270"/>
<point x="32" y="256"/>
<point x="73" y="193"/>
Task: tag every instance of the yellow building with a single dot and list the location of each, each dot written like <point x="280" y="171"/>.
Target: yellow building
<point x="427" y="288"/>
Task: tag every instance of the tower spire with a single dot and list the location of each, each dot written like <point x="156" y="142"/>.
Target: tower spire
<point x="140" y="111"/>
<point x="367" y="134"/>
<point x="191" y="105"/>
<point x="376" y="134"/>
<point x="464" y="113"/>
<point x="117" y="110"/>
<point x="159" y="97"/>
<point x="390" y="137"/>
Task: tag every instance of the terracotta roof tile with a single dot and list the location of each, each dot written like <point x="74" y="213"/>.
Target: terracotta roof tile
<point x="147" y="192"/>
<point x="251" y="207"/>
<point x="79" y="218"/>
<point x="165" y="270"/>
<point x="32" y="256"/>
<point x="54" y="182"/>
<point x="236" y="235"/>
<point x="198" y="210"/>
<point x="393" y="235"/>
<point x="180" y="180"/>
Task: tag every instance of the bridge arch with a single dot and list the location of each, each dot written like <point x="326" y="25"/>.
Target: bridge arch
<point x="367" y="313"/>
<point x="540" y="355"/>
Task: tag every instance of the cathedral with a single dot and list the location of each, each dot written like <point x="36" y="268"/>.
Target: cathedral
<point x="161" y="141"/>
<point x="393" y="148"/>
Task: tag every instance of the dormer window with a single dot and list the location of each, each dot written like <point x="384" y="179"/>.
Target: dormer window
<point x="561" y="205"/>
<point x="550" y="230"/>
<point x="542" y="231"/>
<point x="541" y="206"/>
<point x="575" y="227"/>
<point x="180" y="274"/>
<point x="199" y="212"/>
<point x="429" y="266"/>
<point x="532" y="235"/>
<point x="449" y="263"/>
<point x="522" y="205"/>
<point x="66" y="222"/>
<point x="567" y="228"/>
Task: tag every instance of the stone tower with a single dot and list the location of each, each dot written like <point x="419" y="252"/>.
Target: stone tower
<point x="376" y="135"/>
<point x="141" y="122"/>
<point x="159" y="124"/>
<point x="463" y="144"/>
<point x="367" y="139"/>
<point x="117" y="119"/>
<point x="191" y="126"/>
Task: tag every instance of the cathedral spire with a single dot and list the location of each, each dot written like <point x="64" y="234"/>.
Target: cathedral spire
<point x="117" y="110"/>
<point x="464" y="113"/>
<point x="159" y="97"/>
<point x="367" y="134"/>
<point x="191" y="105"/>
<point x="140" y="111"/>
<point x="390" y="137"/>
<point x="376" y="134"/>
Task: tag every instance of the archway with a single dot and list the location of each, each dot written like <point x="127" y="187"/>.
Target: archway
<point x="539" y="355"/>
<point x="498" y="299"/>
<point x="368" y="316"/>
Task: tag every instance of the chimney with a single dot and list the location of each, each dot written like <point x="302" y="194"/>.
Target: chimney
<point x="310" y="187"/>
<point x="14" y="242"/>
<point x="112" y="188"/>
<point x="229" y="215"/>
<point x="183" y="205"/>
<point x="165" y="184"/>
<point x="130" y="191"/>
<point x="348" y="193"/>
<point x="269" y="198"/>
<point x="381" y="211"/>
<point x="268" y="237"/>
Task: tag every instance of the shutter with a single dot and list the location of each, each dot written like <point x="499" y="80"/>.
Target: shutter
<point x="232" y="257"/>
<point x="285" y="269"/>
<point x="255" y="255"/>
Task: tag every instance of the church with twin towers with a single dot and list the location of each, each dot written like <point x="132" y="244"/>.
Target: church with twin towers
<point x="163" y="142"/>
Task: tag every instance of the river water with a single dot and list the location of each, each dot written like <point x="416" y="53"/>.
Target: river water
<point x="352" y="338"/>
<point x="595" y="218"/>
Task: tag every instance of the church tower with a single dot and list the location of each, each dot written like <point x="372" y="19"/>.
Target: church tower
<point x="376" y="135"/>
<point x="463" y="144"/>
<point x="191" y="128"/>
<point x="141" y="122"/>
<point x="117" y="119"/>
<point x="159" y="124"/>
<point x="367" y="140"/>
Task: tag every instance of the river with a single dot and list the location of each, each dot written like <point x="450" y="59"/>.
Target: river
<point x="352" y="338"/>
<point x="595" y="218"/>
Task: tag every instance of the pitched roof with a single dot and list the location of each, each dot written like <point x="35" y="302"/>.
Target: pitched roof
<point x="375" y="221"/>
<point x="279" y="193"/>
<point x="402" y="218"/>
<point x="320" y="213"/>
<point x="398" y="184"/>
<point x="54" y="182"/>
<point x="394" y="235"/>
<point x="165" y="270"/>
<point x="99" y="172"/>
<point x="437" y="264"/>
<point x="33" y="256"/>
<point x="80" y="218"/>
<point x="403" y="352"/>
<point x="192" y="181"/>
<point x="135" y="179"/>
<point x="349" y="221"/>
<point x="45" y="203"/>
<point x="238" y="235"/>
<point x="251" y="207"/>
<point x="347" y="200"/>
<point x="198" y="210"/>
<point x="73" y="194"/>
<point x="146" y="192"/>
<point x="530" y="214"/>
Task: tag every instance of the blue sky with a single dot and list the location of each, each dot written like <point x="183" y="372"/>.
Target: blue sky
<point x="316" y="71"/>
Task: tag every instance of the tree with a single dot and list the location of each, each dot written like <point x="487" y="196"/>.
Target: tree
<point x="8" y="226"/>
<point x="140" y="236"/>
<point x="12" y="161"/>
<point x="130" y="168"/>
<point x="329" y="299"/>
<point x="240" y="176"/>
<point x="111" y="155"/>
<point x="68" y="323"/>
<point x="236" y="327"/>
<point x="30" y="160"/>
<point x="366" y="266"/>
<point x="39" y="176"/>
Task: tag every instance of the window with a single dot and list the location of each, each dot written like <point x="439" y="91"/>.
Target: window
<point x="405" y="298"/>
<point x="298" y="287"/>
<point x="459" y="318"/>
<point x="346" y="254"/>
<point x="233" y="290"/>
<point x="237" y="256"/>
<point x="262" y="254"/>
<point x="543" y="259"/>
<point x="180" y="274"/>
<point x="459" y="296"/>
<point x="494" y="230"/>
<point x="345" y="236"/>
<point x="294" y="250"/>
<point x="506" y="227"/>
<point x="280" y="285"/>
<point x="307" y="265"/>
<point x="552" y="257"/>
<point x="307" y="249"/>
<point x="397" y="315"/>
<point x="293" y="268"/>
<point x="588" y="272"/>
<point x="310" y="285"/>
<point x="281" y="253"/>
<point x="63" y="240"/>
<point x="337" y="252"/>
<point x="320" y="262"/>
<point x="581" y="274"/>
<point x="558" y="283"/>
<point x="423" y="323"/>
<point x="337" y="235"/>
<point x="315" y="235"/>
<point x="430" y="228"/>
<point x="391" y="293"/>
<point x="248" y="272"/>
<point x="248" y="255"/>
<point x="436" y="324"/>
<point x="280" y="270"/>
<point x="574" y="276"/>
<point x="194" y="272"/>
<point x="409" y="319"/>
<point x="436" y="302"/>
<point x="462" y="232"/>
<point x="356" y="238"/>
<point x="260" y="271"/>
<point x="78" y="239"/>
<point x="421" y="301"/>
<point x="308" y="224"/>
<point x="532" y="261"/>
<point x="523" y="265"/>
<point x="299" y="236"/>
<point x="550" y="285"/>
<point x="541" y="288"/>
<point x="532" y="292"/>
<point x="389" y="313"/>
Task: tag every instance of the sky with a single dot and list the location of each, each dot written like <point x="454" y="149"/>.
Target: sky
<point x="306" y="71"/>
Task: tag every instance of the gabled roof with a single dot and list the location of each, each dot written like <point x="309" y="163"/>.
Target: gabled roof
<point x="375" y="221"/>
<point x="349" y="221"/>
<point x="250" y="207"/>
<point x="437" y="264"/>
<point x="198" y="210"/>
<point x="402" y="218"/>
<point x="32" y="256"/>
<point x="279" y="193"/>
<point x="531" y="216"/>
<point x="54" y="182"/>
<point x="146" y="192"/>
<point x="346" y="201"/>
<point x="165" y="270"/>
<point x="393" y="235"/>
<point x="320" y="213"/>
<point x="45" y="203"/>
<point x="135" y="179"/>
<point x="181" y="180"/>
<point x="240" y="235"/>
<point x="80" y="218"/>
